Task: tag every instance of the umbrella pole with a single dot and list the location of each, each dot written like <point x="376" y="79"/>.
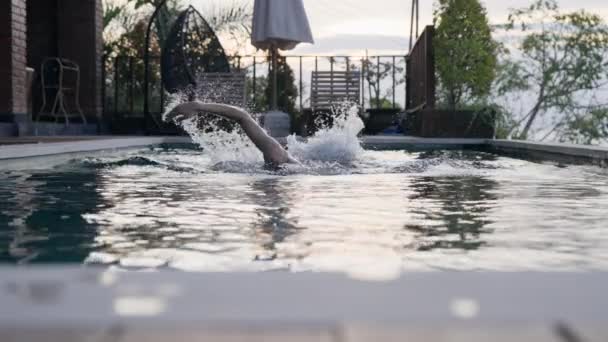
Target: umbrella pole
<point x="274" y="105"/>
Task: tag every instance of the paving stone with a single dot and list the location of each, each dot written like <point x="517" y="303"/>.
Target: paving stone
<point x="146" y="333"/>
<point x="591" y="333"/>
<point x="231" y="335"/>
<point x="55" y="335"/>
<point x="429" y="333"/>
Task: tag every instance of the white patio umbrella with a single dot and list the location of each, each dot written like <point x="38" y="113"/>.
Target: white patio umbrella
<point x="279" y="24"/>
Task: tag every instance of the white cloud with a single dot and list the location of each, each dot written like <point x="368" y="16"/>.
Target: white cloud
<point x="388" y="21"/>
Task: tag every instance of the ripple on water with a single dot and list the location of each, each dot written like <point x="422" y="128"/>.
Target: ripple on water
<point x="370" y="214"/>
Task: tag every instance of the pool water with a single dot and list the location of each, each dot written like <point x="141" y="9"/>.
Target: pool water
<point x="375" y="215"/>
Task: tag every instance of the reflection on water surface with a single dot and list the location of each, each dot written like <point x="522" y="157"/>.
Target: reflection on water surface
<point x="381" y="214"/>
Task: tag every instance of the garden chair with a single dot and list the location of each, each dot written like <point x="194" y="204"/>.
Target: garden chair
<point x="328" y="90"/>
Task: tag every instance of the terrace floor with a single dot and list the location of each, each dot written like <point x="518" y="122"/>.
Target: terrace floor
<point x="46" y="304"/>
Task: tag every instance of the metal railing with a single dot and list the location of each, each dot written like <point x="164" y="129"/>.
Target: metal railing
<point x="383" y="81"/>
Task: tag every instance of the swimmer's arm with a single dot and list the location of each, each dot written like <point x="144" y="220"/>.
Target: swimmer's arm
<point x="272" y="150"/>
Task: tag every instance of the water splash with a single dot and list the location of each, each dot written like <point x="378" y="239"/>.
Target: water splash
<point x="337" y="143"/>
<point x="331" y="145"/>
<point x="219" y="144"/>
<point x="223" y="146"/>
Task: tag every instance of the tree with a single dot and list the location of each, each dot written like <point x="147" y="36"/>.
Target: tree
<point x="166" y="15"/>
<point x="257" y="101"/>
<point x="564" y="61"/>
<point x="233" y="19"/>
<point x="287" y="91"/>
<point x="465" y="53"/>
<point x="589" y="128"/>
<point x="125" y="25"/>
<point x="383" y="103"/>
<point x="375" y="73"/>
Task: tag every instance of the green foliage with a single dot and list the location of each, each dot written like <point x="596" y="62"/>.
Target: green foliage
<point x="232" y="20"/>
<point x="465" y="53"/>
<point x="510" y="77"/>
<point x="383" y="103"/>
<point x="287" y="90"/>
<point x="564" y="56"/>
<point x="125" y="25"/>
<point x="492" y="114"/>
<point x="589" y="128"/>
<point x="257" y="102"/>
<point x="502" y="124"/>
<point x="375" y="71"/>
<point x="235" y="16"/>
<point x="286" y="96"/>
<point x="111" y="13"/>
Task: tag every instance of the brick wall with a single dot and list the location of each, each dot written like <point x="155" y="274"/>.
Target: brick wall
<point x="80" y="28"/>
<point x="13" y="105"/>
<point x="66" y="28"/>
<point x="42" y="41"/>
<point x="5" y="59"/>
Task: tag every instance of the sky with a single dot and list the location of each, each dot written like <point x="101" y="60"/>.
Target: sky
<point x="382" y="26"/>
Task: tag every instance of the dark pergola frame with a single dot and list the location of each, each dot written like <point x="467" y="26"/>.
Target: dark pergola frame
<point x="173" y="46"/>
<point x="147" y="115"/>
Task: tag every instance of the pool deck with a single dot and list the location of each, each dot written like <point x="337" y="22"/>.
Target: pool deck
<point x="47" y="304"/>
<point x="27" y="147"/>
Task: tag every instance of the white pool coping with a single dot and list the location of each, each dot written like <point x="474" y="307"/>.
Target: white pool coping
<point x="77" y="146"/>
<point x="591" y="152"/>
<point x="89" y="144"/>
<point x="596" y="154"/>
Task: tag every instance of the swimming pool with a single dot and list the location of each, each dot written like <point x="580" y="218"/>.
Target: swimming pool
<point x="377" y="215"/>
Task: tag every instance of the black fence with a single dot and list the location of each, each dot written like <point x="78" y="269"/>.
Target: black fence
<point x="420" y="84"/>
<point x="383" y="81"/>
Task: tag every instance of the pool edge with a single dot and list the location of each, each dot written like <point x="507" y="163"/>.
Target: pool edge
<point x="44" y="149"/>
<point x="556" y="152"/>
